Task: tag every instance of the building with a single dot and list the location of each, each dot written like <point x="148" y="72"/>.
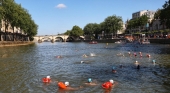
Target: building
<point x="149" y="13"/>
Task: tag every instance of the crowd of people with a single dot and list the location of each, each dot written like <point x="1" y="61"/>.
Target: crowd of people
<point x="108" y="85"/>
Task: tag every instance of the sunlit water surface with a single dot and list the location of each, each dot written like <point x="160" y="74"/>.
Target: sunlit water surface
<point x="23" y="67"/>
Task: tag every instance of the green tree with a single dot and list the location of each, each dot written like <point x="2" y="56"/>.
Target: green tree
<point x="165" y="14"/>
<point x="92" y="29"/>
<point x="157" y="14"/>
<point x="67" y="32"/>
<point x="112" y="24"/>
<point x="76" y="32"/>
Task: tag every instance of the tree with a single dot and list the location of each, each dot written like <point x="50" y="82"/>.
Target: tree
<point x="16" y="16"/>
<point x="76" y="31"/>
<point x="92" y="29"/>
<point x="67" y="32"/>
<point x="157" y="14"/>
<point x="165" y="14"/>
<point x="112" y="24"/>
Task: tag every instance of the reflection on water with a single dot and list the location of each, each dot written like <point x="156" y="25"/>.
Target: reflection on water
<point x="23" y="67"/>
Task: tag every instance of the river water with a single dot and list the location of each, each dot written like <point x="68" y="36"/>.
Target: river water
<point x="23" y="67"/>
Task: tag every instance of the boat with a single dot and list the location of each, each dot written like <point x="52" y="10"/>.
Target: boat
<point x="117" y="42"/>
<point x="93" y="42"/>
<point x="146" y="41"/>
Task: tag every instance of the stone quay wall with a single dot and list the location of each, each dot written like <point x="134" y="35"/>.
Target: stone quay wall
<point x="15" y="43"/>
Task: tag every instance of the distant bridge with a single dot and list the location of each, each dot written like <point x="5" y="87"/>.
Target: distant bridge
<point x="48" y="38"/>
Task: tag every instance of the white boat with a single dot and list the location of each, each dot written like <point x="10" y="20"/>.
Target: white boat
<point x="146" y="41"/>
<point x="118" y="42"/>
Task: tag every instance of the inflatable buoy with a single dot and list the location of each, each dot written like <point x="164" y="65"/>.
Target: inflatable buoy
<point x="106" y="85"/>
<point x="46" y="79"/>
<point x="61" y="85"/>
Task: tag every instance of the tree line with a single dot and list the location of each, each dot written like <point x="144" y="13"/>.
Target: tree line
<point x="110" y="25"/>
<point x="14" y="15"/>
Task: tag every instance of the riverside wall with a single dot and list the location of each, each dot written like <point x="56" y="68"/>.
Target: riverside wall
<point x="15" y="43"/>
<point x="156" y="41"/>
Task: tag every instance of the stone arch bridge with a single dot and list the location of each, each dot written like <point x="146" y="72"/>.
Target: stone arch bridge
<point x="48" y="38"/>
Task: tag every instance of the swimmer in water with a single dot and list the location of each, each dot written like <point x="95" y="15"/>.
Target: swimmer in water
<point x="113" y="69"/>
<point x="58" y="56"/>
<point x="82" y="61"/>
<point x="84" y="55"/>
<point x="65" y="86"/>
<point x="90" y="82"/>
<point x="121" y="66"/>
<point x="154" y="62"/>
<point x="138" y="67"/>
<point x="148" y="55"/>
<point x="109" y="85"/>
<point x="46" y="79"/>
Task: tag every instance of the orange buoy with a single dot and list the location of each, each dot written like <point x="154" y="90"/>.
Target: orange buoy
<point x="61" y="85"/>
<point x="106" y="85"/>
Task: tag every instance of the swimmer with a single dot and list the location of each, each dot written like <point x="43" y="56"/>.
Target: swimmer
<point x="129" y="53"/>
<point x="148" y="55"/>
<point x="109" y="85"/>
<point x="58" y="56"/>
<point x="82" y="61"/>
<point x="135" y="54"/>
<point x="138" y="67"/>
<point x="65" y="86"/>
<point x="113" y="69"/>
<point x="153" y="61"/>
<point x="46" y="79"/>
<point x="121" y="66"/>
<point x="84" y="55"/>
<point x="136" y="62"/>
<point x="90" y="82"/>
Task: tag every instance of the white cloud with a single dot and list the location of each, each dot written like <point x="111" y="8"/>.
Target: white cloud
<point x="61" y="6"/>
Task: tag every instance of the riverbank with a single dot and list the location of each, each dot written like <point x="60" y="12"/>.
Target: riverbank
<point x="15" y="43"/>
<point x="152" y="40"/>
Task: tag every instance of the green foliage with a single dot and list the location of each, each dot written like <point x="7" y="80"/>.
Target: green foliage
<point x="76" y="31"/>
<point x="165" y="14"/>
<point x="13" y="14"/>
<point x="138" y="22"/>
<point x="112" y="24"/>
<point x="92" y="29"/>
<point x="157" y="14"/>
<point x="67" y="32"/>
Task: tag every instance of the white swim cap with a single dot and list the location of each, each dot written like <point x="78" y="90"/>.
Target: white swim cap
<point x="48" y="76"/>
<point x="66" y="83"/>
<point x="136" y="61"/>
<point x="82" y="61"/>
<point x="111" y="81"/>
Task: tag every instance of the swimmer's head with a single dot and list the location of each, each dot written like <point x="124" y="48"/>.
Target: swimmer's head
<point x="89" y="80"/>
<point x="153" y="61"/>
<point x="136" y="61"/>
<point x="48" y="76"/>
<point x="82" y="61"/>
<point x="113" y="68"/>
<point x="111" y="81"/>
<point x="66" y="83"/>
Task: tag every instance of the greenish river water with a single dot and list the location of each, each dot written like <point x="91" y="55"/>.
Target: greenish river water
<point x="23" y="67"/>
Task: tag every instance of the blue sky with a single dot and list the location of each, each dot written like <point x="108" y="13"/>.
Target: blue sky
<point x="57" y="16"/>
